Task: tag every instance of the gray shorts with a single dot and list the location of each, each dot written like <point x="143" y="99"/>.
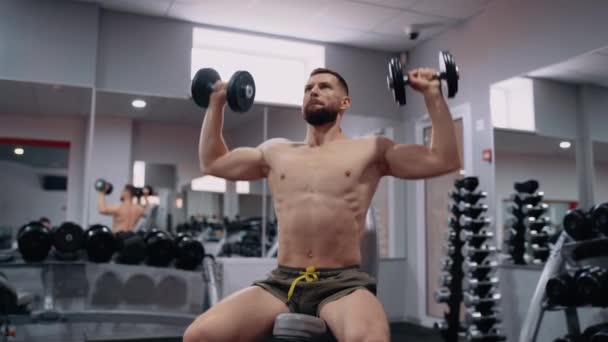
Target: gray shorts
<point x="309" y="298"/>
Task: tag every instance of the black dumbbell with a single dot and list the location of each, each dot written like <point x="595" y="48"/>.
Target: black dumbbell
<point x="561" y="290"/>
<point x="189" y="252"/>
<point x="591" y="287"/>
<point x="397" y="80"/>
<point x="481" y="321"/>
<point x="446" y="263"/>
<point x="101" y="185"/>
<point x="537" y="224"/>
<point x="68" y="238"/>
<point x="445" y="279"/>
<point x="468" y="197"/>
<point x="472" y="284"/>
<point x="527" y="187"/>
<point x="538" y="237"/>
<point x="474" y="300"/>
<point x="34" y="241"/>
<point x="540" y="254"/>
<point x="479" y="271"/>
<point x="481" y="290"/>
<point x="466" y="184"/>
<point x="100" y="243"/>
<point x="472" y="211"/>
<point x="474" y="225"/>
<point x="495" y="334"/>
<point x="599" y="218"/>
<point x="131" y="248"/>
<point x="577" y="224"/>
<point x="522" y="199"/>
<point x="442" y="295"/>
<point x="240" y="90"/>
<point x="478" y="255"/>
<point x="476" y="240"/>
<point x="160" y="248"/>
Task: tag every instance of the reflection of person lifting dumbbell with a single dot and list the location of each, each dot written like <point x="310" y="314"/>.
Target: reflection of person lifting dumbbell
<point x="124" y="215"/>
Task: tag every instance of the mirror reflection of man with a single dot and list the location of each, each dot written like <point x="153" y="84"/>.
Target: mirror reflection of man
<point x="124" y="215"/>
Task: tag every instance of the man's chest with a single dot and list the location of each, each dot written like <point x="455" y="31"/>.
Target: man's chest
<point x="333" y="170"/>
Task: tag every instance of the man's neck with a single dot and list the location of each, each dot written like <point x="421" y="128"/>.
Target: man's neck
<point x="321" y="135"/>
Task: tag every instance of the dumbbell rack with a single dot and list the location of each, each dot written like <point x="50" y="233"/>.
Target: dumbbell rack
<point x="481" y="296"/>
<point x="560" y="257"/>
<point x="529" y="237"/>
<point x="465" y="225"/>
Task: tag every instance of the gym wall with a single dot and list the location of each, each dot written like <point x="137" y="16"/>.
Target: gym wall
<point x="60" y="129"/>
<point x="25" y="200"/>
<point x="85" y="45"/>
<point x="557" y="106"/>
<point x="111" y="160"/>
<point x="508" y="39"/>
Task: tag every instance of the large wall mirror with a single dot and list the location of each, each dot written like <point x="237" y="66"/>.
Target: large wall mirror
<point x="42" y="151"/>
<point x="550" y="127"/>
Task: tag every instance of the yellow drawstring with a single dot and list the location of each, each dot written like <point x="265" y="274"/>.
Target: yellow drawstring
<point x="310" y="276"/>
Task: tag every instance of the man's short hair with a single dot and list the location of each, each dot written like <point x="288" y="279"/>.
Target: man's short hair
<point x="130" y="189"/>
<point x="329" y="71"/>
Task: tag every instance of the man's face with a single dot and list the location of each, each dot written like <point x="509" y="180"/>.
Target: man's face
<point x="323" y="99"/>
<point x="125" y="195"/>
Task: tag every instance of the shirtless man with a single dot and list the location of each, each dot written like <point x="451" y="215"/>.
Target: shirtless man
<point x="322" y="188"/>
<point x="124" y="215"/>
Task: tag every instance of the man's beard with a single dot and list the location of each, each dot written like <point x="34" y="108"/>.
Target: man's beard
<point x="320" y="117"/>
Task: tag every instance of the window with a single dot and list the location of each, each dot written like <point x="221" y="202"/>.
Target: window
<point x="512" y="104"/>
<point x="216" y="184"/>
<point x="279" y="67"/>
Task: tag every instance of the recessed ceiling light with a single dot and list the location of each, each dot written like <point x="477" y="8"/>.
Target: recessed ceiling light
<point x="565" y="144"/>
<point x="138" y="103"/>
<point x="19" y="151"/>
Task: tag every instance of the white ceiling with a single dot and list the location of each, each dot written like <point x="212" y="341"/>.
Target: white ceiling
<point x="372" y="24"/>
<point x="37" y="99"/>
<point x="590" y="68"/>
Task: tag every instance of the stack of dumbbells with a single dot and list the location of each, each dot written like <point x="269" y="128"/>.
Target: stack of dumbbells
<point x="481" y="296"/>
<point x="529" y="228"/>
<point x="587" y="282"/>
<point x="466" y="219"/>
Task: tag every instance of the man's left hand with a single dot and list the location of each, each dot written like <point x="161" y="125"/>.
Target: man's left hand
<point x="425" y="81"/>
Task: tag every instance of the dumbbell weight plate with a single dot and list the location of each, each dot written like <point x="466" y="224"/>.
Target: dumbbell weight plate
<point x="189" y="252"/>
<point x="447" y="66"/>
<point x="34" y="242"/>
<point x="396" y="82"/>
<point x="68" y="238"/>
<point x="160" y="248"/>
<point x="202" y="86"/>
<point x="102" y="184"/>
<point x="240" y="91"/>
<point x="100" y="243"/>
<point x="132" y="248"/>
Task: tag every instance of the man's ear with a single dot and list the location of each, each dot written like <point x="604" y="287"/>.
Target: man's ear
<point x="345" y="103"/>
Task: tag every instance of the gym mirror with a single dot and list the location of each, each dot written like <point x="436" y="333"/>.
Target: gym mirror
<point x="42" y="150"/>
<point x="549" y="127"/>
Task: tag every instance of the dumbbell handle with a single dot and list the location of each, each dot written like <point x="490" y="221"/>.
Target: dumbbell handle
<point x="247" y="88"/>
<point x="406" y="79"/>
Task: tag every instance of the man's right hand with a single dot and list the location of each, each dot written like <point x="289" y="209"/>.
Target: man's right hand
<point x="218" y="97"/>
